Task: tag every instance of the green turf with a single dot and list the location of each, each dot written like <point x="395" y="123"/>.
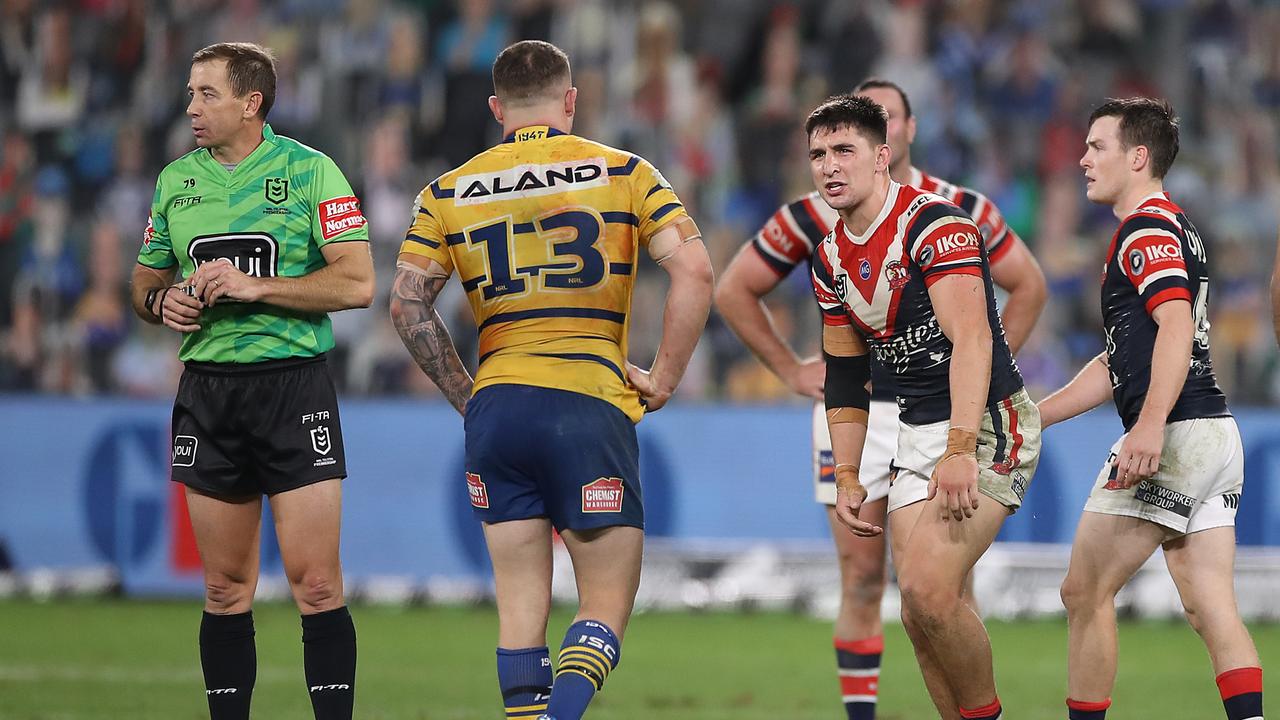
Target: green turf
<point x="114" y="659"/>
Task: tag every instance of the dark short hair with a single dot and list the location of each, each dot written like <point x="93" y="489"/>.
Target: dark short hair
<point x="1145" y="121"/>
<point x="250" y="68"/>
<point x="874" y="83"/>
<point x="529" y="70"/>
<point x="856" y="111"/>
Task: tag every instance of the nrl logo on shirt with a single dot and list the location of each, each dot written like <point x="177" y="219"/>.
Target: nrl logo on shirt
<point x="525" y="181"/>
<point x="277" y="190"/>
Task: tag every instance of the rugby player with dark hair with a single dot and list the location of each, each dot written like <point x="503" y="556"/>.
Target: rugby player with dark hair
<point x="786" y="241"/>
<point x="1174" y="479"/>
<point x="904" y="275"/>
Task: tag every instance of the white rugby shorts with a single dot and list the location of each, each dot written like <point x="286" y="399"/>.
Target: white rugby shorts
<point x="877" y="454"/>
<point x="1196" y="487"/>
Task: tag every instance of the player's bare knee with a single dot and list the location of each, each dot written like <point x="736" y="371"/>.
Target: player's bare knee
<point x="928" y="602"/>
<point x="1079" y="595"/>
<point x="863" y="588"/>
<point x="224" y="594"/>
<point x="317" y="592"/>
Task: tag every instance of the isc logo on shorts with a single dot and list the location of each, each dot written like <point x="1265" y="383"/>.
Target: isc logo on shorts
<point x="479" y="493"/>
<point x="602" y="495"/>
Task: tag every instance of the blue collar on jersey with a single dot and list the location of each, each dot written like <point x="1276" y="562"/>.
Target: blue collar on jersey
<point x="532" y="132"/>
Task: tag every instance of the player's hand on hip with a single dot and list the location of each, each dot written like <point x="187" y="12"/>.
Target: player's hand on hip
<point x="178" y="310"/>
<point x="808" y="377"/>
<point x="956" y="479"/>
<point x="222" y="280"/>
<point x="651" y="395"/>
<point x="1139" y="455"/>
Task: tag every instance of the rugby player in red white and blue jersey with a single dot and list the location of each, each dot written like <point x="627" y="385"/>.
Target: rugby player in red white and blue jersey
<point x="904" y="274"/>
<point x="1174" y="479"/>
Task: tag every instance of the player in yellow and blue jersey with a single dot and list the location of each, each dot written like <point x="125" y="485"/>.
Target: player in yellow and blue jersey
<point x="545" y="232"/>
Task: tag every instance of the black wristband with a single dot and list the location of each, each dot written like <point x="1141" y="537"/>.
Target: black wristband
<point x="152" y="294"/>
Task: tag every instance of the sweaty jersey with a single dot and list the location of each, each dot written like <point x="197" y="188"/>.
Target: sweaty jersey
<point x="1155" y="256"/>
<point x="269" y="216"/>
<point x="879" y="281"/>
<point x="544" y="231"/>
<point x="790" y="235"/>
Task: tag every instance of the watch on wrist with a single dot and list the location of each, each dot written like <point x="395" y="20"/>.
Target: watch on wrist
<point x="150" y="301"/>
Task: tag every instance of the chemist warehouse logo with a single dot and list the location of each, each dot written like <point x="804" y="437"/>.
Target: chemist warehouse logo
<point x="603" y="495"/>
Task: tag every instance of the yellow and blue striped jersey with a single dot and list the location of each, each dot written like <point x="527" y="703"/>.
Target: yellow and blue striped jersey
<point x="544" y="231"/>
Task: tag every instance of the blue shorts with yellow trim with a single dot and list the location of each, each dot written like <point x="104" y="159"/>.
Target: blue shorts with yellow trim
<point x="542" y="452"/>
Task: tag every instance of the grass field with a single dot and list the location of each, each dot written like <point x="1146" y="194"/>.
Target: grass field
<point x="99" y="659"/>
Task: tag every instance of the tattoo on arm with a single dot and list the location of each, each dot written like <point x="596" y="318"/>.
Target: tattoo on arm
<point x="423" y="332"/>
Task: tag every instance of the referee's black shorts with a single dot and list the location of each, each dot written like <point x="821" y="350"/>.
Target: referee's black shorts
<point x="249" y="429"/>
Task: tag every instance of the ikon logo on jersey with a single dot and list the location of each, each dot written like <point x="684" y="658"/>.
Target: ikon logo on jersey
<point x="602" y="495"/>
<point x="479" y="493"/>
<point x="956" y="243"/>
<point x="525" y="181"/>
<point x="340" y="215"/>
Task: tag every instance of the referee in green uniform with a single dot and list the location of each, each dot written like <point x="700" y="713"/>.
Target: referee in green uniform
<point x="253" y="238"/>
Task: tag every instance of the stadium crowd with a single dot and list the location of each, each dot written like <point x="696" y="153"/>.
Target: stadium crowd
<point x="714" y="92"/>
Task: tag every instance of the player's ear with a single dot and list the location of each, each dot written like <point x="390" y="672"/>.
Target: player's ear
<point x="911" y="129"/>
<point x="884" y="154"/>
<point x="1139" y="158"/>
<point x="495" y="107"/>
<point x="571" y="102"/>
<point x="252" y="104"/>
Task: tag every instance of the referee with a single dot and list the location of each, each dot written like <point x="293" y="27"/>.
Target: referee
<point x="252" y="239"/>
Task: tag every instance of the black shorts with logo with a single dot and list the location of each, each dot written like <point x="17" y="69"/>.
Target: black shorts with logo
<point x="250" y="429"/>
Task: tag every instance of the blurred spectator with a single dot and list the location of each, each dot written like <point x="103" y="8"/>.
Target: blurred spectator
<point x="17" y="203"/>
<point x="101" y="317"/>
<point x="465" y="51"/>
<point x="54" y="84"/>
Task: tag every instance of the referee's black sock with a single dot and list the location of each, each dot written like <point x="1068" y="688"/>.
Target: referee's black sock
<point x="230" y="664"/>
<point x="329" y="654"/>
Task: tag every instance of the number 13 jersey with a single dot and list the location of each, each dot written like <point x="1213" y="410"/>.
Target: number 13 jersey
<point x="1157" y="256"/>
<point x="544" y="231"/>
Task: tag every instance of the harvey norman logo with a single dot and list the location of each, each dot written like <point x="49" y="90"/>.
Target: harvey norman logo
<point x="339" y="215"/>
<point x="524" y="181"/>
